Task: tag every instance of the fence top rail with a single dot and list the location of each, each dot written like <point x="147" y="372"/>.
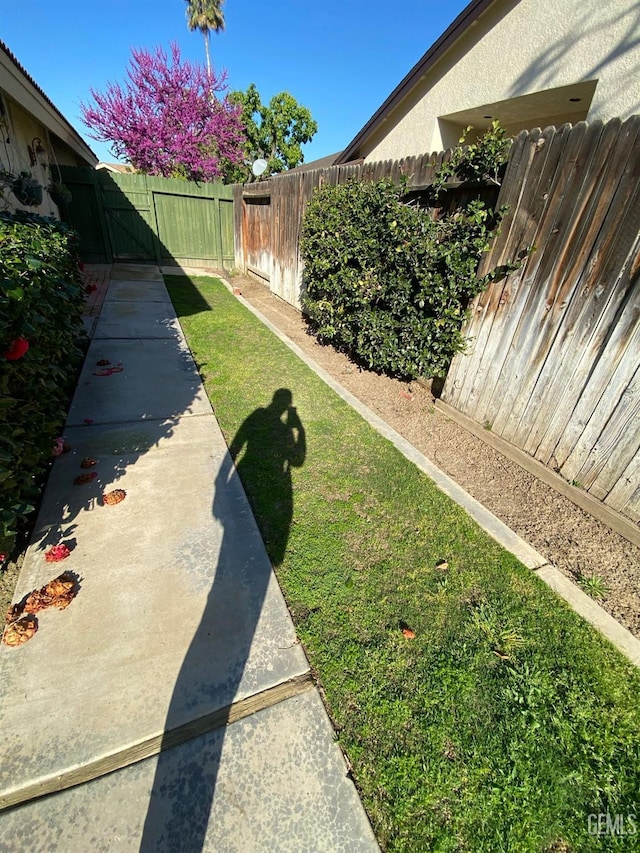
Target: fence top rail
<point x="142" y="182"/>
<point x="262" y="190"/>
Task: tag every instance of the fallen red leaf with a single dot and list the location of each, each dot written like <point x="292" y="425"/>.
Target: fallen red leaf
<point x="114" y="497"/>
<point x="85" y="478"/>
<point x="57" y="553"/>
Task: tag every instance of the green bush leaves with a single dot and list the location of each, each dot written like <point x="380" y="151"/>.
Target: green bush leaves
<point x="384" y="281"/>
<point x="41" y="299"/>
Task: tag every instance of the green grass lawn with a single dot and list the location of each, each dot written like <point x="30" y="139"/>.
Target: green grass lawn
<point x="506" y="720"/>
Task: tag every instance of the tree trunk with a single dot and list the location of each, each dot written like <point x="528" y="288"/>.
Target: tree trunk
<point x="206" y="50"/>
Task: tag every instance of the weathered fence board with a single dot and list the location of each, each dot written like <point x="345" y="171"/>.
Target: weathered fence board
<point x="553" y="355"/>
<point x="256" y="234"/>
<point x="533" y="334"/>
<point x="602" y="293"/>
<point x="559" y="315"/>
<point x="625" y="495"/>
<point x="498" y="311"/>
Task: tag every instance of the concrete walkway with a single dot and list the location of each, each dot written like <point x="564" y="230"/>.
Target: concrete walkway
<point x="169" y="707"/>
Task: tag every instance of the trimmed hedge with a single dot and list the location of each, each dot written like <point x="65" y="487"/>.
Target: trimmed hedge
<point x="41" y="335"/>
<point x="386" y="282"/>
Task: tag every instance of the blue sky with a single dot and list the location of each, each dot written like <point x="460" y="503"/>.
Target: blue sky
<point x="339" y="59"/>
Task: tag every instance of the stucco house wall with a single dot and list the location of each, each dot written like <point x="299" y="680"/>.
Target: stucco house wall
<point x="29" y="121"/>
<point x="523" y="62"/>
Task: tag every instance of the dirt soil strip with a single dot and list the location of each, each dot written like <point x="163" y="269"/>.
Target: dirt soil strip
<point x="572" y="540"/>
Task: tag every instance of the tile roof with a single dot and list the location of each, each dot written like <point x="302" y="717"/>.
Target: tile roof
<point x="40" y="91"/>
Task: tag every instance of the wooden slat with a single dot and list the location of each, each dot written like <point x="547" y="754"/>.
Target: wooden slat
<point x="617" y="445"/>
<point x="497" y="313"/>
<point x="614" y="415"/>
<point x="535" y="329"/>
<point x="625" y="495"/>
<point x="604" y="247"/>
<point x="617" y="357"/>
<point x="239" y="229"/>
<point x="409" y="169"/>
<point x="368" y="171"/>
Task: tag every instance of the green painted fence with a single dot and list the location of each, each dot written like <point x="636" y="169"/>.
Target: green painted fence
<point x="123" y="217"/>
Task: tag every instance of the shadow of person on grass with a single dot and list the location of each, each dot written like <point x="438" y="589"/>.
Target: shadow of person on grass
<point x="275" y="443"/>
<point x="214" y="673"/>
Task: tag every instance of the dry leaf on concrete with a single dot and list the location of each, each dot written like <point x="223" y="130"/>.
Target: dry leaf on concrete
<point x="20" y="631"/>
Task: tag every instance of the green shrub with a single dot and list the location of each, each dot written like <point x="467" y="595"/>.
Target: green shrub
<point x="41" y="299"/>
<point x="384" y="281"/>
<point x="479" y="162"/>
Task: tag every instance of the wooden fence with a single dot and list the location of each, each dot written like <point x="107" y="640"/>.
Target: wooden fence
<point x="135" y="217"/>
<point x="269" y="216"/>
<point x="552" y="364"/>
<point x="553" y="350"/>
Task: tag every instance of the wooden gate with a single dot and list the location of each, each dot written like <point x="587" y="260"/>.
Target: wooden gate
<point x="156" y="220"/>
<point x="253" y="225"/>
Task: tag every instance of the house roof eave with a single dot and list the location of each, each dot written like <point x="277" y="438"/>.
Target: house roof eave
<point x="460" y="25"/>
<point x="22" y="88"/>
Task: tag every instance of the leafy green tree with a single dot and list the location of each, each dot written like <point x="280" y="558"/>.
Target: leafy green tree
<point x="205" y="15"/>
<point x="275" y="133"/>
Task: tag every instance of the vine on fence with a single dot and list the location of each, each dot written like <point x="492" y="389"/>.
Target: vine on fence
<point x="388" y="284"/>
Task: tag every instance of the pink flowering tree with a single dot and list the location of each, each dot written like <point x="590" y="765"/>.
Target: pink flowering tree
<point x="170" y="118"/>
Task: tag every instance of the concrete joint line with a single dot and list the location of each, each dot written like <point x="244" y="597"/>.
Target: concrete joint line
<point x="142" y="421"/>
<point x="579" y="601"/>
<point x="160" y="742"/>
